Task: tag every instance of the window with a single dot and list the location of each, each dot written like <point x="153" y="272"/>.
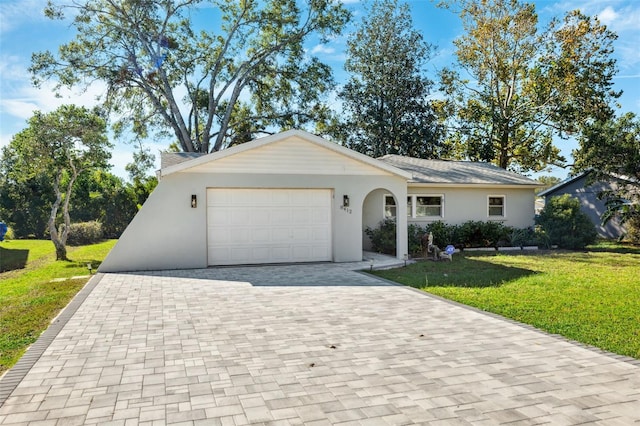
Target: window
<point x="418" y="206"/>
<point x="496" y="205"/>
<point x="389" y="206"/>
<point x="428" y="206"/>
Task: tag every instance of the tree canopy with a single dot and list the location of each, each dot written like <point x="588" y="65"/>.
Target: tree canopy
<point x="386" y="109"/>
<point x="210" y="86"/>
<point x="611" y="150"/>
<point x="517" y="87"/>
<point x="57" y="147"/>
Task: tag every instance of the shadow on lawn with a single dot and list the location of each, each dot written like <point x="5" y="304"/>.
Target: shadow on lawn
<point x="84" y="264"/>
<point x="461" y="272"/>
<point x="11" y="259"/>
<point x="618" y="248"/>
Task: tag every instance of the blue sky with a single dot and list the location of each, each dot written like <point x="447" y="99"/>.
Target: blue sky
<point x="24" y="30"/>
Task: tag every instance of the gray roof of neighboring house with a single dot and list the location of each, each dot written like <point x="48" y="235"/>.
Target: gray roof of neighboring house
<point x="456" y="172"/>
<point x="172" y="158"/>
<point x="563" y="183"/>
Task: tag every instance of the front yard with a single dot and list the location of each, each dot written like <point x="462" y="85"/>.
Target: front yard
<point x="592" y="297"/>
<point x="29" y="299"/>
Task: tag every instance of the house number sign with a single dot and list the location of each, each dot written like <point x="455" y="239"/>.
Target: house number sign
<point x="346" y="209"/>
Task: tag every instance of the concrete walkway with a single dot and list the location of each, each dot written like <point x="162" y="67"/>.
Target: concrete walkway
<point x="307" y="344"/>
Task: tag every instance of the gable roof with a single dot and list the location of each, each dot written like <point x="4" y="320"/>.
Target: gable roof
<point x="260" y="142"/>
<point x="445" y="172"/>
<point x="172" y="158"/>
<point x="562" y="184"/>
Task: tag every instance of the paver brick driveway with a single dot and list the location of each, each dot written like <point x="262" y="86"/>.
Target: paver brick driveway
<point x="196" y="347"/>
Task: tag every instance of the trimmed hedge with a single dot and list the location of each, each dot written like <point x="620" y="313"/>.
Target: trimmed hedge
<point x="84" y="233"/>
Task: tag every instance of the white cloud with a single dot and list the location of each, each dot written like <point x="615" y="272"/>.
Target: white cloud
<point x="608" y="15"/>
<point x="323" y="49"/>
<point x="14" y="13"/>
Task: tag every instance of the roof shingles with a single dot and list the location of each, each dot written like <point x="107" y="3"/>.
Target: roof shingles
<point x="456" y="172"/>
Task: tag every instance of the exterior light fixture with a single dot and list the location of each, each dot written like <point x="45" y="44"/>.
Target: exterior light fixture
<point x="194" y="201"/>
<point x="345" y="201"/>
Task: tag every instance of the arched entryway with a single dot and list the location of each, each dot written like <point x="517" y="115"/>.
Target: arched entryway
<point x="381" y="204"/>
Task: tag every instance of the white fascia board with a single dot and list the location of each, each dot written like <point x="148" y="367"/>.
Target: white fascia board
<point x="472" y="185"/>
<point x="256" y="143"/>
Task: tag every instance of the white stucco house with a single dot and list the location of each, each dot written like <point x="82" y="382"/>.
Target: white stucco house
<point x="295" y="197"/>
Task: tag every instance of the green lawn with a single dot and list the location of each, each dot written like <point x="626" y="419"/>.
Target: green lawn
<point x="592" y="297"/>
<point x="29" y="300"/>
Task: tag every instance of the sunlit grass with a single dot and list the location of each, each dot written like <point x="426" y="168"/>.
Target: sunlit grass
<point x="29" y="300"/>
<point x="592" y="297"/>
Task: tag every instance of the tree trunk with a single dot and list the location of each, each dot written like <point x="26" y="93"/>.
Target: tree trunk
<point x="61" y="249"/>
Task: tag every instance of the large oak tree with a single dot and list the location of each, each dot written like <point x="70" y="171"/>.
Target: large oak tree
<point x="241" y="69"/>
<point x="518" y="86"/>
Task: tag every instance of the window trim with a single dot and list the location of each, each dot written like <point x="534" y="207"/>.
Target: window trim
<point x="384" y="206"/>
<point x="411" y="212"/>
<point x="504" y="206"/>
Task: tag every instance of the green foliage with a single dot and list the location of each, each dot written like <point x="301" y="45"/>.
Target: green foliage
<point x="85" y="233"/>
<point x="524" y="85"/>
<point x="592" y="297"/>
<point x="383" y="238"/>
<point x="386" y="107"/>
<point x="150" y="53"/>
<point x="633" y="230"/>
<point x="25" y="199"/>
<point x="468" y="234"/>
<point x="611" y="151"/>
<point x="565" y="224"/>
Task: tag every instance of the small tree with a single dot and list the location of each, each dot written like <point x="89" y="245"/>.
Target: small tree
<point x="565" y="224"/>
<point x="61" y="144"/>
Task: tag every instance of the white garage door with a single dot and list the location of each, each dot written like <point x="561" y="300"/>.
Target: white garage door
<point x="250" y="226"/>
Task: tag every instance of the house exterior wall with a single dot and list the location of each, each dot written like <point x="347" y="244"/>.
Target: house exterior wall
<point x="591" y="205"/>
<point x="462" y="204"/>
<point x="168" y="234"/>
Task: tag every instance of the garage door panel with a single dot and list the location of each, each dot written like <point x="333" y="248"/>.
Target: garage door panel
<point x="268" y="225"/>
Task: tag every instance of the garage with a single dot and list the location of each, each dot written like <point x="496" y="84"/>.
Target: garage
<point x="258" y="226"/>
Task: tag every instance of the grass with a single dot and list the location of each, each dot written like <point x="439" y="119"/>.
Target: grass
<point x="592" y="297"/>
<point x="29" y="300"/>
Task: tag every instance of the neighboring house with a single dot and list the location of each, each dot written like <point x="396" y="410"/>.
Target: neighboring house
<point x="295" y="197"/>
<point x="578" y="187"/>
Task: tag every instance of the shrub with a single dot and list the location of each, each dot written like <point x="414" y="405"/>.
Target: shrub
<point x="565" y="224"/>
<point x="414" y="234"/>
<point x="443" y="234"/>
<point x="84" y="233"/>
<point x="383" y="238"/>
<point x="633" y="230"/>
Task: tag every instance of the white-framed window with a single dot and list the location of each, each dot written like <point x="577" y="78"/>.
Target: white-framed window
<point x="418" y="206"/>
<point x="428" y="206"/>
<point x="496" y="206"/>
<point x="390" y="209"/>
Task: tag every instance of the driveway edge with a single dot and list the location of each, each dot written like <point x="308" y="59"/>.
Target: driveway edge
<point x="595" y="349"/>
<point x="14" y="376"/>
